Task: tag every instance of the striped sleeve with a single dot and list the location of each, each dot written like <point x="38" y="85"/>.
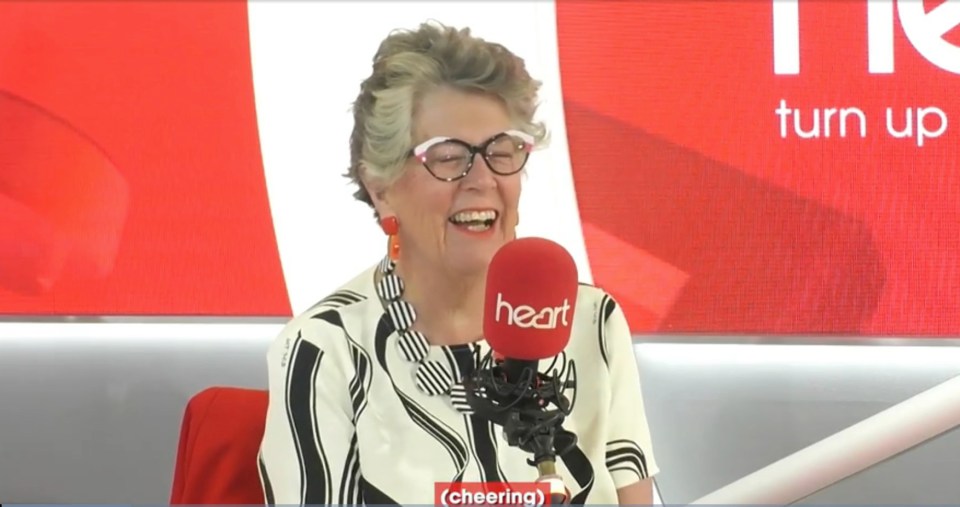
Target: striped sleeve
<point x="308" y="454"/>
<point x="629" y="453"/>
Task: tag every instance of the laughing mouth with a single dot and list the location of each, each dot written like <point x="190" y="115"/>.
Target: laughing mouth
<point x="475" y="221"/>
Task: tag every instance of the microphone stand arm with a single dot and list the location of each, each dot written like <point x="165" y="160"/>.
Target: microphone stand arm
<point x="538" y="434"/>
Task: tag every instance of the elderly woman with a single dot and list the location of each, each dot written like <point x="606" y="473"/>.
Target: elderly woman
<point x="360" y="408"/>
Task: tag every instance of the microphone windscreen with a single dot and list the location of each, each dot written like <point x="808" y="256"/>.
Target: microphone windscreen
<point x="530" y="299"/>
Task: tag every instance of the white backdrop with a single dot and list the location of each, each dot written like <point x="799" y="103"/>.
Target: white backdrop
<point x="307" y="69"/>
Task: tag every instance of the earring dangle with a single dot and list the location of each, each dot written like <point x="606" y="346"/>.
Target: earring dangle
<point x="394" y="248"/>
<point x="391" y="226"/>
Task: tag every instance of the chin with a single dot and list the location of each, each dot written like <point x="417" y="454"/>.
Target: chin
<point x="473" y="262"/>
<point x="473" y="255"/>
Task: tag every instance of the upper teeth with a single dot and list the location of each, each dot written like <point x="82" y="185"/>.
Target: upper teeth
<point x="474" y="216"/>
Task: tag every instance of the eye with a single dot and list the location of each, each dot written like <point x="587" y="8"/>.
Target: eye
<point x="448" y="159"/>
<point x="446" y="151"/>
<point x="506" y="146"/>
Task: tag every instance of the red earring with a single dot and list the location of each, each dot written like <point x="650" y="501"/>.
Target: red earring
<point x="391" y="226"/>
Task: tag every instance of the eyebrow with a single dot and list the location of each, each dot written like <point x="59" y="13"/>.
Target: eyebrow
<point x="457" y="138"/>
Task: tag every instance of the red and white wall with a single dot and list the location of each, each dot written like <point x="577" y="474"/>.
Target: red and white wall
<point x="186" y="158"/>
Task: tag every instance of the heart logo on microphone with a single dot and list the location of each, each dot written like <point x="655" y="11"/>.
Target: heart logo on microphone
<point x="526" y="316"/>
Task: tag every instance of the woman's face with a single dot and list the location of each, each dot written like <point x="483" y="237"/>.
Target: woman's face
<point x="456" y="225"/>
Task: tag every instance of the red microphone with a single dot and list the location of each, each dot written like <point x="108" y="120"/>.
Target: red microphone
<point x="528" y="311"/>
<point x="531" y="296"/>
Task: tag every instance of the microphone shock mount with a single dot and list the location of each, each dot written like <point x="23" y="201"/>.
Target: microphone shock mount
<point x="530" y="407"/>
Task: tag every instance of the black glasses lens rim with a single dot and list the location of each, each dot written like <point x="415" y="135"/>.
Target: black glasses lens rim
<point x="470" y="164"/>
<point x="482" y="151"/>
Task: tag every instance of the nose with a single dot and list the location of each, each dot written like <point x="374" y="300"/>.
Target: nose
<point x="480" y="175"/>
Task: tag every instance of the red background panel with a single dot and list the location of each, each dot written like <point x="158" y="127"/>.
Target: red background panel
<point x="778" y="235"/>
<point x="131" y="181"/>
<point x="163" y="91"/>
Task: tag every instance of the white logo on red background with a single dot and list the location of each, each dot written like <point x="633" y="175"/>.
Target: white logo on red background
<point x="525" y="316"/>
<point x="925" y="30"/>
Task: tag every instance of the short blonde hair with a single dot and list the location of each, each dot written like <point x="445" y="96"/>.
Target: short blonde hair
<point x="410" y="63"/>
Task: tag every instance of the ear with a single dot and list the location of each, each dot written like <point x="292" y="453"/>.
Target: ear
<point x="377" y="189"/>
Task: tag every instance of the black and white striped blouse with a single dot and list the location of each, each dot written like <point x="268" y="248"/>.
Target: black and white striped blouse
<point x="360" y="414"/>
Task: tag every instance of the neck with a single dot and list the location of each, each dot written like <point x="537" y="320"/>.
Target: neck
<point x="449" y="305"/>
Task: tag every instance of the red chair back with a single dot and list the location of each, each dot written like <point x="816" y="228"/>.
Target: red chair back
<point x="219" y="442"/>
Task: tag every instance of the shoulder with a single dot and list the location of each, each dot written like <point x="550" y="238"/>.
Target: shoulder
<point x="352" y="294"/>
<point x="598" y="324"/>
<point x="595" y="303"/>
<point x="325" y="323"/>
<point x="586" y="291"/>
